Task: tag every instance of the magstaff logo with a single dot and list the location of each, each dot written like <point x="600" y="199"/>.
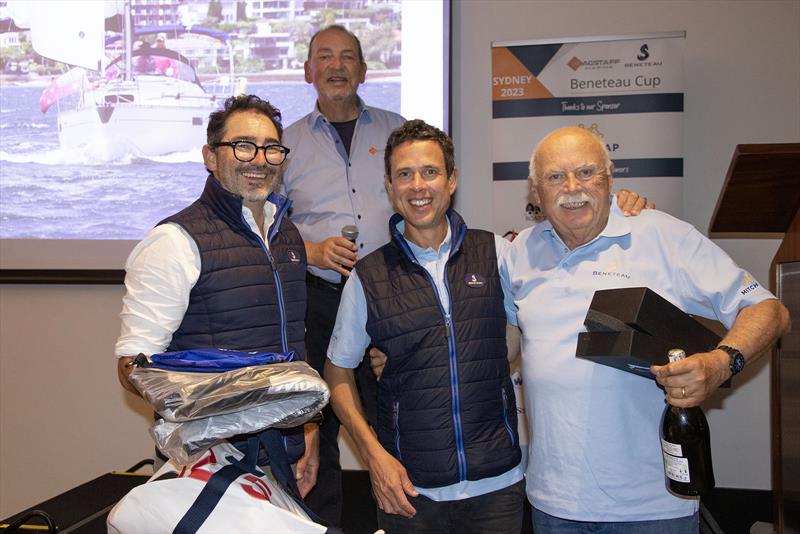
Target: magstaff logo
<point x="612" y="271"/>
<point x="748" y="284"/>
<point x="591" y="64"/>
<point x="372" y="150"/>
<point x="293" y="256"/>
<point x="475" y="280"/>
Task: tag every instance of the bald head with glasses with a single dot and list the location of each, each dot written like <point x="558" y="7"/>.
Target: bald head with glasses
<point x="570" y="179"/>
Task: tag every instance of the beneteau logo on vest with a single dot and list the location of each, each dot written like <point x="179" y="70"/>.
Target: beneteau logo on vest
<point x="475" y="280"/>
<point x="293" y="256"/>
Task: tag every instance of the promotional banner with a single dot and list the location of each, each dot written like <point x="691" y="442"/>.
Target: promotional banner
<point x="626" y="89"/>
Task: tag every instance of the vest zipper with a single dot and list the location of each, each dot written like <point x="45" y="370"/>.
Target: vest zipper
<point x="452" y="354"/>
<point x="451" y="347"/>
<point x="275" y="276"/>
<point x="451" y="343"/>
<point x="505" y="417"/>
<point x="396" y="417"/>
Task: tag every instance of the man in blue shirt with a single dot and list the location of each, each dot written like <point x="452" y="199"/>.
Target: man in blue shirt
<point x="446" y="456"/>
<point x="334" y="179"/>
<point x="594" y="458"/>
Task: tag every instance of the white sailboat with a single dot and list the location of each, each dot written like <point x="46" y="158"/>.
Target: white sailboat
<point x="147" y="102"/>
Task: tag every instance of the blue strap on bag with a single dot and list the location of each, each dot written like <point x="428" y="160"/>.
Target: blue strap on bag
<point x="220" y="481"/>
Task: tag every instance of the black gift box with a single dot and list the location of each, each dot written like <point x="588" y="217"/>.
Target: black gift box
<point x="633" y="328"/>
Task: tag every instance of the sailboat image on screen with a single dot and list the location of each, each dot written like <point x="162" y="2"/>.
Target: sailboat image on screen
<point x="146" y="101"/>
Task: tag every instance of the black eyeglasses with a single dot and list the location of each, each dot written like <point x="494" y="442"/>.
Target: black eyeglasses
<point x="246" y="151"/>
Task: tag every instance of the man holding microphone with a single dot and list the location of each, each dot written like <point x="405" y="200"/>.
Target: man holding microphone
<point x="334" y="179"/>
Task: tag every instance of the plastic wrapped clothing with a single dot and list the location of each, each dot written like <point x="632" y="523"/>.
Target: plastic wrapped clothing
<point x="180" y="396"/>
<point x="201" y="409"/>
<point x="184" y="442"/>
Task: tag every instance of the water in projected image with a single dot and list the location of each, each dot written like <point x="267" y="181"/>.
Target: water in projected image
<point x="52" y="193"/>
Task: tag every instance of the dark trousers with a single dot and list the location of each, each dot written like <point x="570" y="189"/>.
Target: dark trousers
<point x="547" y="524"/>
<point x="325" y="499"/>
<point x="499" y="512"/>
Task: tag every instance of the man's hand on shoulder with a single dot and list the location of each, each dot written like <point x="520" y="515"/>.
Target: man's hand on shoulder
<point x="335" y="253"/>
<point x="631" y="203"/>
<point x="123" y="371"/>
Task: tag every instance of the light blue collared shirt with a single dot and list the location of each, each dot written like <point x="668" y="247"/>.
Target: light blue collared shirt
<point x="350" y="339"/>
<point x="594" y="451"/>
<point x="330" y="190"/>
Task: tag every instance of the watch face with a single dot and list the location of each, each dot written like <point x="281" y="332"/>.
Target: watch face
<point x="737" y="362"/>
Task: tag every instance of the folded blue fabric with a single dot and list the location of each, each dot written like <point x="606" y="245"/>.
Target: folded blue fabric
<point x="216" y="360"/>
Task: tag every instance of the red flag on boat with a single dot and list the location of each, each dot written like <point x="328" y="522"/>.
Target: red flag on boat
<point x="64" y="85"/>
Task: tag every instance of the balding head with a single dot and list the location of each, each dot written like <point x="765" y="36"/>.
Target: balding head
<point x="571" y="180"/>
<point x="570" y="134"/>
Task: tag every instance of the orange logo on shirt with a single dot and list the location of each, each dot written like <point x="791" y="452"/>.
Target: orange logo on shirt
<point x="372" y="150"/>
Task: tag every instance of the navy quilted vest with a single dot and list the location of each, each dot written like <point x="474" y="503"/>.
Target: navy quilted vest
<point x="446" y="405"/>
<point x="247" y="298"/>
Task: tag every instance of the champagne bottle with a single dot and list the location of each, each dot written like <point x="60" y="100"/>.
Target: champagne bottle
<point x="686" y="447"/>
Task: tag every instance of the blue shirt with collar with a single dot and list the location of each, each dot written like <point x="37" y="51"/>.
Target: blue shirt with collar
<point x="594" y="451"/>
<point x="330" y="189"/>
<point x="350" y="339"/>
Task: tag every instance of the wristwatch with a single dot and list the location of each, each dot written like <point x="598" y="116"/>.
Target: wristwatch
<point x="736" y="360"/>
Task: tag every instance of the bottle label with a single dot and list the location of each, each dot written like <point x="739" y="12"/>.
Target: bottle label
<point x="675" y="467"/>
<point x="671" y="448"/>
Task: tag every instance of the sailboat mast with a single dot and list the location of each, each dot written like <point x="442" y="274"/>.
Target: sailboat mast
<point x="128" y="35"/>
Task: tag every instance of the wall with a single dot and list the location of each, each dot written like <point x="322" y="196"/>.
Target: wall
<point x="742" y="86"/>
<point x="64" y="420"/>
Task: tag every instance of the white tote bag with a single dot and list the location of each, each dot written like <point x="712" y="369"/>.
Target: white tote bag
<point x="251" y="504"/>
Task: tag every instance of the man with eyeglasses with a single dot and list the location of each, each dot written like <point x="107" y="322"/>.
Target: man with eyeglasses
<point x="594" y="457"/>
<point x="228" y="271"/>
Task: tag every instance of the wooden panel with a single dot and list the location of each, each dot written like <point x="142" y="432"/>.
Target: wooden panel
<point x="785" y="375"/>
<point x="761" y="191"/>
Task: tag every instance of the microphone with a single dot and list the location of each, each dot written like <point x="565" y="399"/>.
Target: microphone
<point x="350" y="232"/>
